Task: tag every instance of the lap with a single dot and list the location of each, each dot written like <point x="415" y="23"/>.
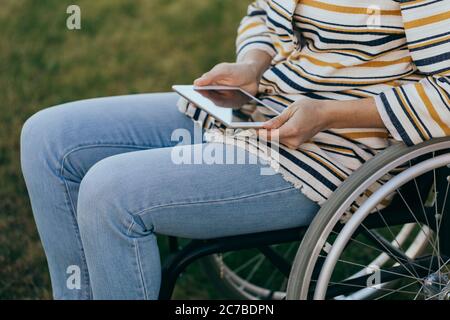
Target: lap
<point x="145" y="120"/>
<point x="128" y="140"/>
<point x="200" y="200"/>
<point x="74" y="136"/>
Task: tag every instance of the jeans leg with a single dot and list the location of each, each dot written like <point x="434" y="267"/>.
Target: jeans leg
<point x="126" y="199"/>
<point x="60" y="144"/>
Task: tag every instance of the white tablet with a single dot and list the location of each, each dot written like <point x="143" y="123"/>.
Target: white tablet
<point x="224" y="104"/>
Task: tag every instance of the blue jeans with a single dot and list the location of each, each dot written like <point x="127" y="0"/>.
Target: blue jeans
<point x="103" y="183"/>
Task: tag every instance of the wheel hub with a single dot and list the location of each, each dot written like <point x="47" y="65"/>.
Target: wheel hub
<point x="436" y="286"/>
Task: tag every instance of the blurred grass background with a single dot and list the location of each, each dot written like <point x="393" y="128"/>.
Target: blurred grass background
<point x="124" y="47"/>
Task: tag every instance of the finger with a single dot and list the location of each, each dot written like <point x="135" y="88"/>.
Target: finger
<point x="205" y="80"/>
<point x="278" y="121"/>
<point x="290" y="144"/>
<point x="274" y="136"/>
<point x="212" y="76"/>
<point x="284" y="132"/>
<point x="202" y="81"/>
<point x="270" y="135"/>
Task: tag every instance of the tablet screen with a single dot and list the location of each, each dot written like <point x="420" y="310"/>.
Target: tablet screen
<point x="229" y="98"/>
<point x="232" y="106"/>
<point x="231" y="101"/>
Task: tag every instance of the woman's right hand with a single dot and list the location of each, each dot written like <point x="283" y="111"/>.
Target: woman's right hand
<point x="245" y="75"/>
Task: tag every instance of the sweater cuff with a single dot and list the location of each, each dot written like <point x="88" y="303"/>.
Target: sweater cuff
<point x="390" y="120"/>
<point x="255" y="43"/>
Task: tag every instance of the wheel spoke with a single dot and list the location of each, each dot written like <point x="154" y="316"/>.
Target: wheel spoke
<point x="436" y="215"/>
<point x="254" y="269"/>
<point x="417" y="221"/>
<point x="271" y="278"/>
<point x="418" y="293"/>
<point x="439" y="222"/>
<point x="394" y="253"/>
<point x="399" y="290"/>
<point x="421" y="200"/>
<point x="433" y="296"/>
<point x="424" y="213"/>
<point x="444" y="265"/>
<point x="257" y="258"/>
<point x="381" y="270"/>
<point x="275" y="271"/>
<point x="362" y="243"/>
<point x="445" y="196"/>
<point x="365" y="287"/>
<point x="389" y="229"/>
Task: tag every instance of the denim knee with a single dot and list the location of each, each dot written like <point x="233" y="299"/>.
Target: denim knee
<point x="34" y="137"/>
<point x="102" y="202"/>
<point x="42" y="139"/>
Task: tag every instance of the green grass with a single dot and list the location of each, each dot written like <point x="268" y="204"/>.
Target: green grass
<point x="124" y="47"/>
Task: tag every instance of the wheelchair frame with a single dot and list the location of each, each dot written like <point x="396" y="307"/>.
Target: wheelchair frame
<point x="180" y="258"/>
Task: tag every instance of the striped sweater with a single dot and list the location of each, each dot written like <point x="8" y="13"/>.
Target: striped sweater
<point x="397" y="51"/>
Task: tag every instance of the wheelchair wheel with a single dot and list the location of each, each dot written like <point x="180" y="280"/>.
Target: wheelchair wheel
<point x="248" y="274"/>
<point x="336" y="257"/>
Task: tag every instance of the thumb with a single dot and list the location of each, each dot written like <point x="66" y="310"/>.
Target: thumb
<point x="278" y="121"/>
<point x="204" y="80"/>
<point x="212" y="76"/>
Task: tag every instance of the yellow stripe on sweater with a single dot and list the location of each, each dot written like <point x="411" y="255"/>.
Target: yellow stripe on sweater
<point x="345" y="9"/>
<point x="411" y="114"/>
<point x="336" y="65"/>
<point x="357" y="29"/>
<point x="428" y="20"/>
<point x="427" y="43"/>
<point x="434" y="114"/>
<point x="250" y="26"/>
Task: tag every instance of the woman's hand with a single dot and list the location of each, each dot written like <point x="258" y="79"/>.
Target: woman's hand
<point x="244" y="74"/>
<point x="307" y="117"/>
<point x="301" y="121"/>
<point x="241" y="74"/>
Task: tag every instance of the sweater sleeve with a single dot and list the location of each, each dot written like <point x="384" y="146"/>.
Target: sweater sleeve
<point x="420" y="111"/>
<point x="253" y="32"/>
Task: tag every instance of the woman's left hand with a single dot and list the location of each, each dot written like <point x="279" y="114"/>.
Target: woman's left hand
<point x="297" y="124"/>
<point x="307" y="117"/>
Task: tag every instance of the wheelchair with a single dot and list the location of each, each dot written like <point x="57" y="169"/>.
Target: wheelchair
<point x="389" y="243"/>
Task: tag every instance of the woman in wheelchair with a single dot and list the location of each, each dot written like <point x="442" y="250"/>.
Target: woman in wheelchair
<point x="366" y="97"/>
